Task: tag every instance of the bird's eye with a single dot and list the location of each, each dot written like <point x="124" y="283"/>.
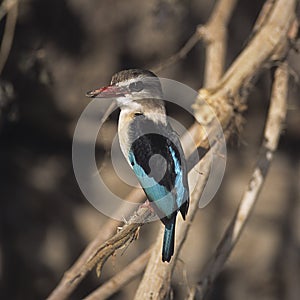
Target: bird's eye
<point x="138" y="114"/>
<point x="136" y="86"/>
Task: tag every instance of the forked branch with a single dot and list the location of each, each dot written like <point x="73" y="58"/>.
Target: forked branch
<point x="225" y="95"/>
<point x="275" y="120"/>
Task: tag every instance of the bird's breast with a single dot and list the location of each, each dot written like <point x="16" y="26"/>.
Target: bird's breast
<point x="124" y="125"/>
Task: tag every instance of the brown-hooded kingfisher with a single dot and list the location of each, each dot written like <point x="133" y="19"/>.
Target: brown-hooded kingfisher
<point x="150" y="145"/>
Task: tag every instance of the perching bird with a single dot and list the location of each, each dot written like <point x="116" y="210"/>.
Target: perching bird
<point x="151" y="146"/>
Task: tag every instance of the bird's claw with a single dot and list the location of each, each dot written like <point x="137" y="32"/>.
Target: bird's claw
<point x="148" y="205"/>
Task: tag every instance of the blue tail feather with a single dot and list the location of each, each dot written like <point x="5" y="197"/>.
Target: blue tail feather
<point x="169" y="236"/>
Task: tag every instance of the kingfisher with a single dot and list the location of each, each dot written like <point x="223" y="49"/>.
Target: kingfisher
<point x="150" y="145"/>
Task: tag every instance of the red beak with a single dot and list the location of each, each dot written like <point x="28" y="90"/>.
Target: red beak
<point x="110" y="91"/>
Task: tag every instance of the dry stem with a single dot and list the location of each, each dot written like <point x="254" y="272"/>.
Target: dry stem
<point x="11" y="8"/>
<point x="276" y="117"/>
<point x="220" y="98"/>
<point x="130" y="272"/>
<point x="156" y="281"/>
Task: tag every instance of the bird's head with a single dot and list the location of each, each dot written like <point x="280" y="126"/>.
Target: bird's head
<point x="130" y="87"/>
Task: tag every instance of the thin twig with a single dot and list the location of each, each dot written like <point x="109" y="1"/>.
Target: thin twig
<point x="219" y="20"/>
<point x="78" y="271"/>
<point x="5" y="7"/>
<point x="127" y="234"/>
<point x="9" y="31"/>
<point x="188" y="46"/>
<point x="276" y="117"/>
<point x="115" y="283"/>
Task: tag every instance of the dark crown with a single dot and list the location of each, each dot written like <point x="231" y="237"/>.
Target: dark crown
<point x="129" y="74"/>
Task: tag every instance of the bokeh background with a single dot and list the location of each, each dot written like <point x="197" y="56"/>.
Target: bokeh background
<point x="60" y="50"/>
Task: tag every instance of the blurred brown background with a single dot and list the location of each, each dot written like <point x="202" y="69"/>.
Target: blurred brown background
<point x="60" y="50"/>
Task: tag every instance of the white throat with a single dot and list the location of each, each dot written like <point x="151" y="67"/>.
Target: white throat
<point x="127" y="115"/>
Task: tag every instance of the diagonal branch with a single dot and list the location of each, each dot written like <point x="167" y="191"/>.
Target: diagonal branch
<point x="182" y="53"/>
<point x="115" y="283"/>
<point x="89" y="258"/>
<point x="10" y="7"/>
<point x="275" y="119"/>
<point x="156" y="281"/>
<point x="215" y="36"/>
<point x="78" y="270"/>
<point x="220" y="98"/>
<point x="83" y="265"/>
<point x="230" y="93"/>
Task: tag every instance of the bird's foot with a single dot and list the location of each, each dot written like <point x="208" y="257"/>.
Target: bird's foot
<point x="148" y="205"/>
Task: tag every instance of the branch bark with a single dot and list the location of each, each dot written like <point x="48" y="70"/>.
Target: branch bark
<point x="156" y="281"/>
<point x="78" y="271"/>
<point x="215" y="36"/>
<point x="275" y="119"/>
<point x="230" y="93"/>
<point x="84" y="264"/>
<point x="130" y="272"/>
<point x="10" y="7"/>
<point x="231" y="87"/>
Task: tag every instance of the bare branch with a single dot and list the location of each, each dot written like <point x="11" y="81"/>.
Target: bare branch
<point x="233" y="88"/>
<point x="114" y="284"/>
<point x="215" y="36"/>
<point x="156" y="281"/>
<point x="263" y="45"/>
<point x="272" y="132"/>
<point x="189" y="45"/>
<point x="11" y="8"/>
<point x="65" y="287"/>
<point x="89" y="258"/>
<point x="220" y="99"/>
<point x="120" y="240"/>
<point x="157" y="276"/>
<point x="6" y="6"/>
<point x="79" y="270"/>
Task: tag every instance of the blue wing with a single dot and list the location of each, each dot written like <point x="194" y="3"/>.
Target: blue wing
<point x="164" y="178"/>
<point x="158" y="193"/>
<point x="158" y="161"/>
